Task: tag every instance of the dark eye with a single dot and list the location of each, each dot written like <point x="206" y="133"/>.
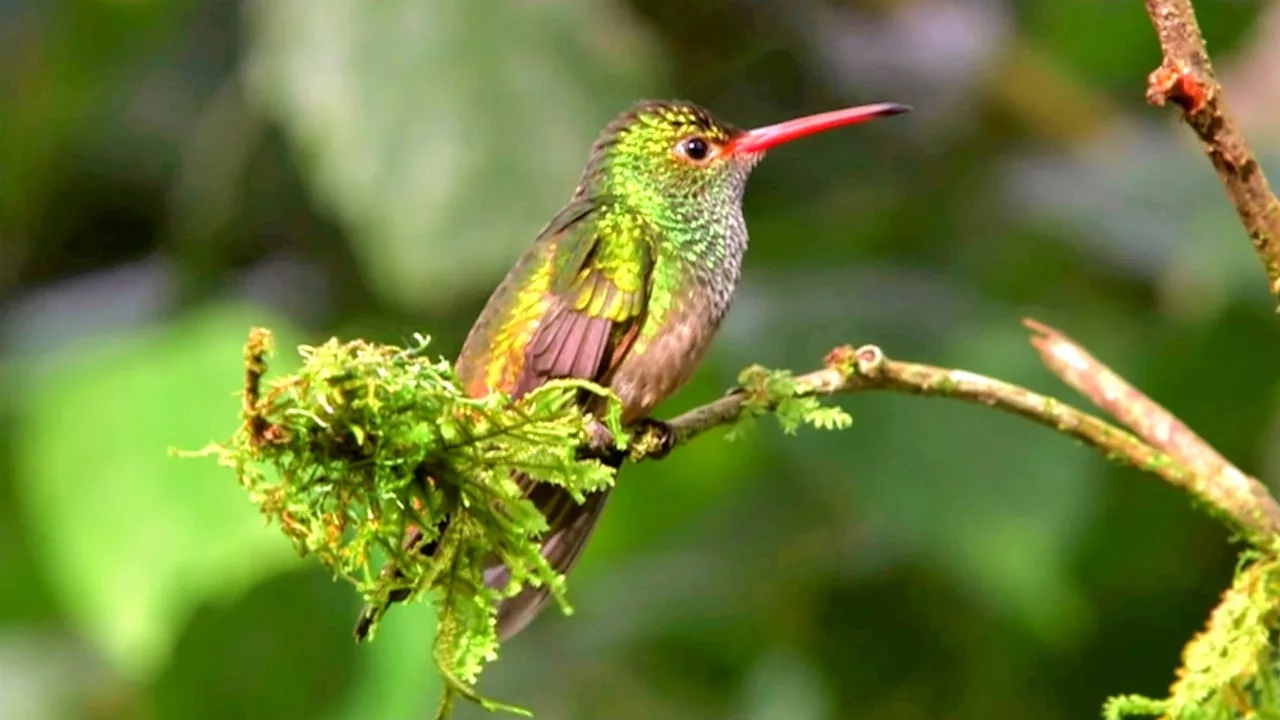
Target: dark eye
<point x="696" y="148"/>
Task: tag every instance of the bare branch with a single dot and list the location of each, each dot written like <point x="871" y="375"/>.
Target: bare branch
<point x="867" y="369"/>
<point x="1166" y="448"/>
<point x="1211" y="476"/>
<point x="1186" y="78"/>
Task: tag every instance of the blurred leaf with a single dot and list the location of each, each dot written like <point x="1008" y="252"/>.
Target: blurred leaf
<point x="1073" y="32"/>
<point x="281" y="650"/>
<point x="784" y="687"/>
<point x="444" y="132"/>
<point x="132" y="539"/>
<point x="1148" y="213"/>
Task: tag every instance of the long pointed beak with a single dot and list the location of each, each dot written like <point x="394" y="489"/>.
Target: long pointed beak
<point x="761" y="139"/>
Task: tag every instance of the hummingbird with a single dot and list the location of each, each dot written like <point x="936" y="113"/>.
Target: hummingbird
<point x="626" y="286"/>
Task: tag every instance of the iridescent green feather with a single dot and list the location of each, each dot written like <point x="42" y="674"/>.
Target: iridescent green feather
<point x="614" y="280"/>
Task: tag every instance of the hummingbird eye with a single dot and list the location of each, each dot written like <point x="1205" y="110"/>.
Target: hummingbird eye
<point x="695" y="148"/>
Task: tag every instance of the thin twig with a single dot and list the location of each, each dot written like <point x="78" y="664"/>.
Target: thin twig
<point x="867" y="368"/>
<point x="1164" y="446"/>
<point x="1213" y="478"/>
<point x="1186" y="77"/>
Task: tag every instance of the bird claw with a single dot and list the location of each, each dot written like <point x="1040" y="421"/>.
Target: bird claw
<point x="600" y="438"/>
<point x="657" y="439"/>
<point x="602" y="445"/>
<point x="650" y="439"/>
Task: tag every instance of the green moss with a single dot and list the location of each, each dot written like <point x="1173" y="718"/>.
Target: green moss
<point x="364" y="442"/>
<point x="778" y="392"/>
<point x="1229" y="670"/>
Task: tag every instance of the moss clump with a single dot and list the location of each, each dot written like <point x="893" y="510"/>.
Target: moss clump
<point x="366" y="441"/>
<point x="1229" y="670"/>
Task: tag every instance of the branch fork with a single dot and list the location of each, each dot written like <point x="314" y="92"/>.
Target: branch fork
<point x="1156" y="441"/>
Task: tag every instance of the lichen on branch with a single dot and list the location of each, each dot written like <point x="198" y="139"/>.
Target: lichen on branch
<point x="365" y="441"/>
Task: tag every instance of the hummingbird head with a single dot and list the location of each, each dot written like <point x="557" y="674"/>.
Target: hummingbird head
<point x="674" y="160"/>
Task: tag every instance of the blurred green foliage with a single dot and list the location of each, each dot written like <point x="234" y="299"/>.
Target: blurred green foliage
<point x="175" y="171"/>
<point x="140" y="544"/>
<point x="435" y="136"/>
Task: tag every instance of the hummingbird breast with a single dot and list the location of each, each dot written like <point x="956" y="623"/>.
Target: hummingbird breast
<point x="692" y="289"/>
<point x="652" y="373"/>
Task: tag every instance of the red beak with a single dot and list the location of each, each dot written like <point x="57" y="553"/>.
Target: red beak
<point x="761" y="139"/>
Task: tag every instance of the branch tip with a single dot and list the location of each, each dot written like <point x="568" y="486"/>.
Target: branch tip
<point x="1203" y="471"/>
<point x="871" y="361"/>
<point x="257" y="348"/>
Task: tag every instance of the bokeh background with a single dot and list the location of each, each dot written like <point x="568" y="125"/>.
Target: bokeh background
<point x="174" y="171"/>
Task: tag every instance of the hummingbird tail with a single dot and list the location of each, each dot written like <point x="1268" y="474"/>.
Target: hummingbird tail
<point x="571" y="526"/>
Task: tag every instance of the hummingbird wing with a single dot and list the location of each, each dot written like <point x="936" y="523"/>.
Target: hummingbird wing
<point x="571" y="307"/>
<point x="598" y="291"/>
<point x="596" y="305"/>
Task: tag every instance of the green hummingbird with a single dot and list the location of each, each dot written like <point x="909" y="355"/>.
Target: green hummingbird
<point x="626" y="286"/>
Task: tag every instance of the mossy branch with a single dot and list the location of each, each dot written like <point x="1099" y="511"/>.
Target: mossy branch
<point x="1229" y="670"/>
<point x="366" y="441"/>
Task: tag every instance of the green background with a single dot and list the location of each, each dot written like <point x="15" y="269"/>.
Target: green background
<point x="174" y="171"/>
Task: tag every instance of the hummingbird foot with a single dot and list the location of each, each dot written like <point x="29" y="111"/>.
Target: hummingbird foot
<point x="600" y="439"/>
<point x="654" y="439"/>
<point x="650" y="438"/>
<point x="602" y="445"/>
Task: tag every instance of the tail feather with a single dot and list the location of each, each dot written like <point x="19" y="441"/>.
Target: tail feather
<point x="561" y="547"/>
<point x="571" y="525"/>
